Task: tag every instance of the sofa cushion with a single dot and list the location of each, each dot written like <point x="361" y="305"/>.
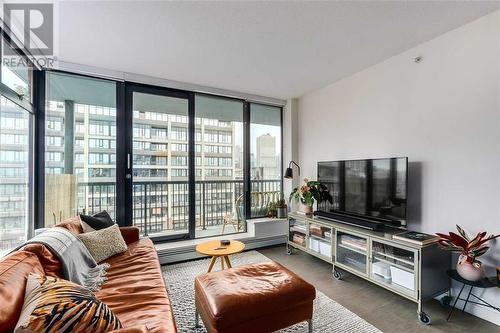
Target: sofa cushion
<point x="50" y="262"/>
<point x="97" y="221"/>
<point x="59" y="306"/>
<point x="135" y="290"/>
<point x="74" y="225"/>
<point x="14" y="271"/>
<point x="104" y="243"/>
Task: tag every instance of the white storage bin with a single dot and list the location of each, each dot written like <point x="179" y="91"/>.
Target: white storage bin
<point x="314" y="244"/>
<point x="382" y="269"/>
<point x="325" y="249"/>
<point x="403" y="278"/>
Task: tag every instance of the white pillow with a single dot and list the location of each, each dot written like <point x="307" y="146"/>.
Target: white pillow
<point x="104" y="243"/>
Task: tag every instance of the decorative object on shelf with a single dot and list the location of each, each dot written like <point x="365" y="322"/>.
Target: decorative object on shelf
<point x="289" y="170"/>
<point x="469" y="249"/>
<point x="281" y="207"/>
<point x="310" y="192"/>
<point x="418" y="238"/>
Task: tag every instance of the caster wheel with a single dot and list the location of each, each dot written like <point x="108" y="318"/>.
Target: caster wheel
<point x="289" y="250"/>
<point x="337" y="275"/>
<point x="445" y="301"/>
<point x="424" y="319"/>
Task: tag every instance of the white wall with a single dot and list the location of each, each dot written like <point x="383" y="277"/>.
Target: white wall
<point x="443" y="113"/>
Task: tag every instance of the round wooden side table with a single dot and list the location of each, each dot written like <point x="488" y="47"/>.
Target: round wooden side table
<point x="216" y="250"/>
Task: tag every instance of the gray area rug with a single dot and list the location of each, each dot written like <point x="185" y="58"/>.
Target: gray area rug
<point x="329" y="316"/>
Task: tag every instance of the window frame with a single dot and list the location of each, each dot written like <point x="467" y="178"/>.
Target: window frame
<point x="29" y="106"/>
<point x="125" y="131"/>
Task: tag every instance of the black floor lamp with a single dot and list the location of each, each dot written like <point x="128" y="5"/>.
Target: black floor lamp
<point x="289" y="170"/>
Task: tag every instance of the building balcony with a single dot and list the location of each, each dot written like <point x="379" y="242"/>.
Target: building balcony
<point x="161" y="207"/>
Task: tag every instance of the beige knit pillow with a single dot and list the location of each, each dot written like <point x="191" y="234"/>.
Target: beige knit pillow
<point x="104" y="243"/>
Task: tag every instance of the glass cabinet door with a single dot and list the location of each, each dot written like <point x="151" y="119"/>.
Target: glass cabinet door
<point x="394" y="267"/>
<point x="352" y="251"/>
<point x="297" y="232"/>
<point x="320" y="240"/>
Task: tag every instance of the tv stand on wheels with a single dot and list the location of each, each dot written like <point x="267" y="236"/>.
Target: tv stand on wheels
<point x="416" y="272"/>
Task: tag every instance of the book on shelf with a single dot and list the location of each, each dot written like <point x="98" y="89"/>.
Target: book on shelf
<point x="415" y="237"/>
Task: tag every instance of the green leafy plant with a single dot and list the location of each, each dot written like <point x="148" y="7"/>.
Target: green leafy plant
<point x="310" y="192"/>
<point x="281" y="201"/>
<point x="271" y="209"/>
<point x="462" y="244"/>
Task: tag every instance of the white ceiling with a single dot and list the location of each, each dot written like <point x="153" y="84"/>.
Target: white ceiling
<point x="275" y="49"/>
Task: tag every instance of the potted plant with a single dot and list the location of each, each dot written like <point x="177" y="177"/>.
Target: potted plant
<point x="271" y="209"/>
<point x="310" y="192"/>
<point x="281" y="207"/>
<point x="469" y="250"/>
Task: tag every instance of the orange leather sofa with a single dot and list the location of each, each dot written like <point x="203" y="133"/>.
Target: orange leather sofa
<point x="135" y="290"/>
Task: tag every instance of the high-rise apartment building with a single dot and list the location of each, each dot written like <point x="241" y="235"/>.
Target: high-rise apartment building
<point x="265" y="158"/>
<point x="80" y="167"/>
<point x="160" y="165"/>
<point x="14" y="178"/>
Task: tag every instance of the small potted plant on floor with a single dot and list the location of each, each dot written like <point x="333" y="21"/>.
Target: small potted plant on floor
<point x="281" y="207"/>
<point x="310" y="192"/>
<point x="469" y="250"/>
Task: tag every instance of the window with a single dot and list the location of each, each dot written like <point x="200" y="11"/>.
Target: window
<point x="220" y="126"/>
<point x="182" y="147"/>
<point x="179" y="172"/>
<point x="179" y="160"/>
<point x="53" y="124"/>
<point x="159" y="133"/>
<point x="153" y="169"/>
<point x="15" y="149"/>
<point x="179" y="133"/>
<point x="81" y="153"/>
<point x="211" y="136"/>
<point x="265" y="152"/>
<point x="81" y="146"/>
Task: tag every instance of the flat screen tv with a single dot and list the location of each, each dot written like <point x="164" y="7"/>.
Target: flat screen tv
<point x="370" y="193"/>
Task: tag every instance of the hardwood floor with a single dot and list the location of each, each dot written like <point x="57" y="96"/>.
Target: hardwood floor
<point x="383" y="309"/>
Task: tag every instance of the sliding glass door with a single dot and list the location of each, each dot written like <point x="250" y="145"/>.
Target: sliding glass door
<point x="159" y="158"/>
<point x="175" y="164"/>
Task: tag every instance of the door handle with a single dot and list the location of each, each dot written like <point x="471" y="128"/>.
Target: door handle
<point x="128" y="161"/>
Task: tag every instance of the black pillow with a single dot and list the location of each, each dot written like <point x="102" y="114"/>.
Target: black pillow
<point x="98" y="221"/>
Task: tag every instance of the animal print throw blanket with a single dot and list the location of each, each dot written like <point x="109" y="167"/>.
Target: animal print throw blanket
<point x="78" y="266"/>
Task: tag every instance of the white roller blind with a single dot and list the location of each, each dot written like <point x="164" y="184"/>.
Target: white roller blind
<point x="218" y="108"/>
<point x="158" y="103"/>
<point x="82" y="90"/>
<point x="265" y="114"/>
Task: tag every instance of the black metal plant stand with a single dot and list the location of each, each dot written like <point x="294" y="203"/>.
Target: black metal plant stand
<point x="484" y="283"/>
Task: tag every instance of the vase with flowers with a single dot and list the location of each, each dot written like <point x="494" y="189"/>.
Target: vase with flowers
<point x="308" y="193"/>
<point x="469" y="250"/>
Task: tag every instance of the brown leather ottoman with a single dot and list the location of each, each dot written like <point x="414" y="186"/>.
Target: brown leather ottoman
<point x="255" y="298"/>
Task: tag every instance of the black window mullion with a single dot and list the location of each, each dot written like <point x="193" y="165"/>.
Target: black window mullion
<point x="39" y="177"/>
<point x="123" y="182"/>
<point x="247" y="186"/>
<point x="191" y="166"/>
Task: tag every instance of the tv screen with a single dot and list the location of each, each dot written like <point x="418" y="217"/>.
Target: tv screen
<point x="371" y="188"/>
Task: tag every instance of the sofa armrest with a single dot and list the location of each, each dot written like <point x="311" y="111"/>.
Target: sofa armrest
<point x="133" y="329"/>
<point x="130" y="234"/>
